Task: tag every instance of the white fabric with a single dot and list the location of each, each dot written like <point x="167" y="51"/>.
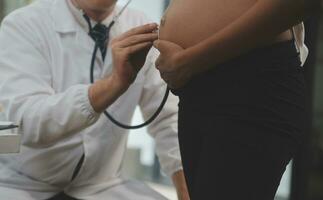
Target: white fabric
<point x="128" y="190"/>
<point x="44" y="82"/>
<point x="299" y="35"/>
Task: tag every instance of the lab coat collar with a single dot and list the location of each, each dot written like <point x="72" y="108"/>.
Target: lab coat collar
<point x="79" y="17"/>
<point x="64" y="21"/>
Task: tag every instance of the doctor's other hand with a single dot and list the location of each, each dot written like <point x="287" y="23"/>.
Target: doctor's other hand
<point x="129" y="52"/>
<point x="171" y="64"/>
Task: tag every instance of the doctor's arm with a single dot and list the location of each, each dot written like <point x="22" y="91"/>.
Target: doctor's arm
<point x="164" y="128"/>
<point x="45" y="116"/>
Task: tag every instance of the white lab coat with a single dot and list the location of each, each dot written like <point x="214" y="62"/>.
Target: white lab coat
<point x="44" y="79"/>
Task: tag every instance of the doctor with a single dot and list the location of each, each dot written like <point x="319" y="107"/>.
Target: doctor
<point x="69" y="149"/>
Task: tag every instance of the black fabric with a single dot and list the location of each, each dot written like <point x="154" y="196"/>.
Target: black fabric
<point x="62" y="196"/>
<point x="6" y="127"/>
<point x="241" y="123"/>
<point x="100" y="34"/>
<point x="78" y="167"/>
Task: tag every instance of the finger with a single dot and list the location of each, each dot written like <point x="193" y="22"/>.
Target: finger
<point x="138" y="47"/>
<point x="169" y="83"/>
<point x="172" y="86"/>
<point x="162" y="66"/>
<point x="148" y="28"/>
<point x="167" y="76"/>
<point x="136" y="39"/>
<point x="158" y="62"/>
<point x="163" y="46"/>
<point x="168" y="80"/>
<point x="164" y="77"/>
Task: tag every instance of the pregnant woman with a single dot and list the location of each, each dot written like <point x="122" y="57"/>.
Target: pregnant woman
<point x="237" y="67"/>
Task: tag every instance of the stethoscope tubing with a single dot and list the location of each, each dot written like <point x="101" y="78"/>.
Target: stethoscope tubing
<point x="110" y="117"/>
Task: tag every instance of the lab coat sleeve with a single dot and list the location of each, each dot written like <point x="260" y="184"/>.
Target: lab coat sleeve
<point x="44" y="116"/>
<point x="164" y="128"/>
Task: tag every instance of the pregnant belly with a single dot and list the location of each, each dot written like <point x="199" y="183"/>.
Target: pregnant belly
<point x="187" y="22"/>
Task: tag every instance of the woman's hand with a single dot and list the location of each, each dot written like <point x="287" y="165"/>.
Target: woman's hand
<point x="171" y="64"/>
<point x="180" y="185"/>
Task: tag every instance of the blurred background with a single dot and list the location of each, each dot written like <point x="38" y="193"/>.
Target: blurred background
<point x="303" y="179"/>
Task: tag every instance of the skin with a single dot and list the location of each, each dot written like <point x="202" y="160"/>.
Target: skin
<point x="236" y="28"/>
<point x="129" y="52"/>
<point x="189" y="29"/>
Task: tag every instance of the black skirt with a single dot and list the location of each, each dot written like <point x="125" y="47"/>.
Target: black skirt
<point x="241" y="123"/>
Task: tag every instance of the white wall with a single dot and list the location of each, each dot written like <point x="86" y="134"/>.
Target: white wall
<point x="152" y="8"/>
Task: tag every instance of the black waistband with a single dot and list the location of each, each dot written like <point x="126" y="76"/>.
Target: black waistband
<point x="284" y="54"/>
<point x="278" y="51"/>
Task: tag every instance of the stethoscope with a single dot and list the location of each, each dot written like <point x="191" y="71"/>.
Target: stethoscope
<point x="96" y="47"/>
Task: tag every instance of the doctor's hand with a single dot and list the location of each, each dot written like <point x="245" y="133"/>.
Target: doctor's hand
<point x="129" y="52"/>
<point x="171" y="64"/>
